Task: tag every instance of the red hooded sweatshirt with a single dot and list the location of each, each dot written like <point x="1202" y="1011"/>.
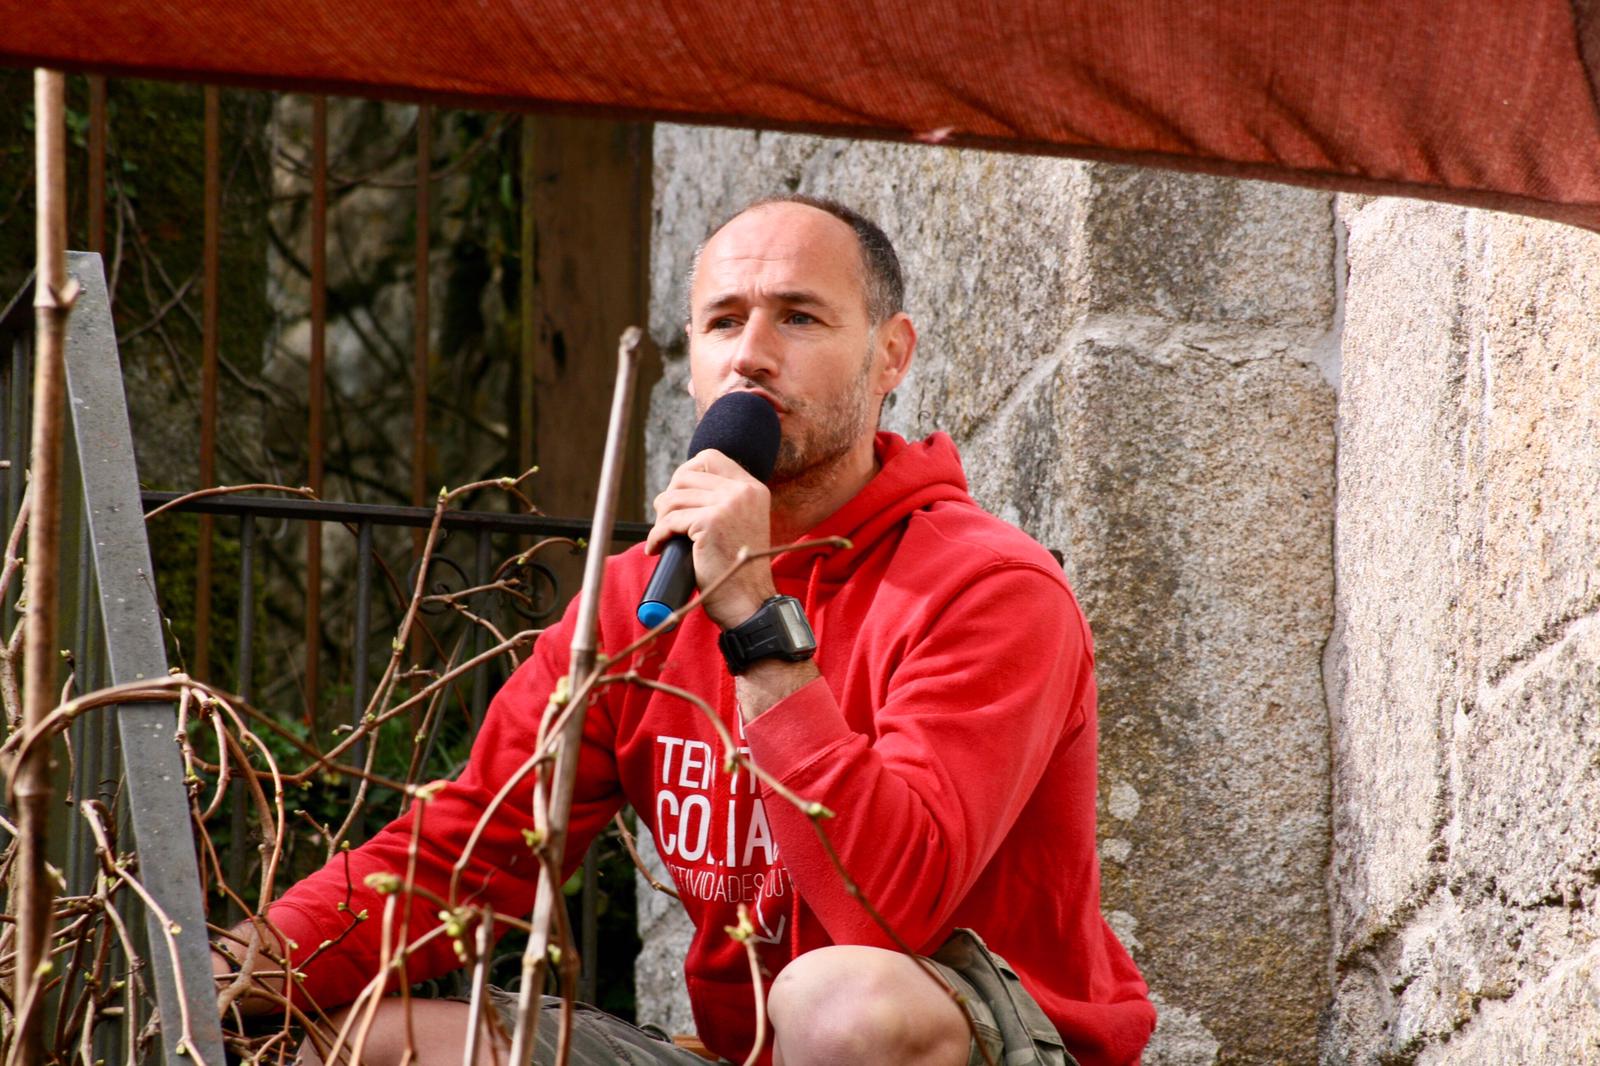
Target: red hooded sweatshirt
<point x="952" y="734"/>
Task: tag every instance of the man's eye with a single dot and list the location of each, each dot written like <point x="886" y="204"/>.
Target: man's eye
<point x="800" y="318"/>
<point x="722" y="323"/>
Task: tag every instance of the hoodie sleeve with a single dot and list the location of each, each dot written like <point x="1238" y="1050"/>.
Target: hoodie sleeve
<point x="974" y="711"/>
<point x="501" y="871"/>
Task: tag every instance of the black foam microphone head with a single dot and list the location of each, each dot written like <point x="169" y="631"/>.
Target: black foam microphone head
<point x="744" y="427"/>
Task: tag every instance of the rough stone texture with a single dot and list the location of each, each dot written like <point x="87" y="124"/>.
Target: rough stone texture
<point x="1402" y="405"/>
<point x="1467" y="720"/>
<point x="1557" y="1021"/>
<point x="1181" y="1038"/>
<point x="1133" y="366"/>
<point x="669" y="421"/>
<point x="1529" y="783"/>
<point x="1532" y="461"/>
<point x="1185" y="249"/>
<point x="1199" y="510"/>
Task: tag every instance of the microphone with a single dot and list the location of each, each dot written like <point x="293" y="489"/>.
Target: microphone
<point x="744" y="427"/>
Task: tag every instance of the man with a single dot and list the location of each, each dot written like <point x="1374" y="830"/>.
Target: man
<point x="947" y="719"/>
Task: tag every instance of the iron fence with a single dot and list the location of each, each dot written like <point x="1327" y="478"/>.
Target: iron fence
<point x="115" y="633"/>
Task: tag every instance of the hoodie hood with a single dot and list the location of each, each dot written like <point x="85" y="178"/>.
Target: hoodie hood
<point x="910" y="478"/>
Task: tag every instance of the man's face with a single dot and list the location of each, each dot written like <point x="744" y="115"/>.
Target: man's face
<point x="779" y="307"/>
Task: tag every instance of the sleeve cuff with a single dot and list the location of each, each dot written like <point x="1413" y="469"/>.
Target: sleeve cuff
<point x="796" y="729"/>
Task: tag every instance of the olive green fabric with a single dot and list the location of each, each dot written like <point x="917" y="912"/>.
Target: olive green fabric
<point x="1009" y="1023"/>
<point x="1006" y="1020"/>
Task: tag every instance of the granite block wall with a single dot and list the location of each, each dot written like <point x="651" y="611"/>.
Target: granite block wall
<point x="1467" y="723"/>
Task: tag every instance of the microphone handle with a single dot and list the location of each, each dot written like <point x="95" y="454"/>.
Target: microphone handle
<point x="672" y="583"/>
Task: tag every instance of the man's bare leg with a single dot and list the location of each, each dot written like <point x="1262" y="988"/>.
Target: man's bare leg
<point x="437" y="1036"/>
<point x="850" y="1004"/>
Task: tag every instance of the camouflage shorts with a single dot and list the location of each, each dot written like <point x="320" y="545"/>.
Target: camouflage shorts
<point x="1010" y="1025"/>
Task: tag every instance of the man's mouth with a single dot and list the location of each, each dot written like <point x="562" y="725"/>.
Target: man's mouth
<point x="777" y="405"/>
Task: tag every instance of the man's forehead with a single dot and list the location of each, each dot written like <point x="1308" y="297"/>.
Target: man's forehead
<point x="788" y="245"/>
<point x="781" y="222"/>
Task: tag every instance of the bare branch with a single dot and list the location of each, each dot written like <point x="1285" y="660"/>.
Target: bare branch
<point x="630" y="844"/>
<point x="227" y="490"/>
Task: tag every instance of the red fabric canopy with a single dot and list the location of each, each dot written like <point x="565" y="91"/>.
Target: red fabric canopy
<point x="1490" y="102"/>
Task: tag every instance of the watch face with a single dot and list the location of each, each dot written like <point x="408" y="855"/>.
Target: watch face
<point x="795" y="628"/>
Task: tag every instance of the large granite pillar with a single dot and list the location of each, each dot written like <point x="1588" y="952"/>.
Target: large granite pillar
<point x="1136" y="367"/>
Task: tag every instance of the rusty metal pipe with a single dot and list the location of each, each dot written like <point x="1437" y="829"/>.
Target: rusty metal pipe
<point x="97" y="163"/>
<point x="208" y="376"/>
<point x="419" y="329"/>
<point x="419" y="383"/>
<point x="528" y="342"/>
<point x="319" y="316"/>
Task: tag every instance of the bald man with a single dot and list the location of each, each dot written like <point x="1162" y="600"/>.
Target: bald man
<point x="931" y="685"/>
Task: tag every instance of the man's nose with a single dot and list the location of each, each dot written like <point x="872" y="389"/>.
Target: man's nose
<point x="757" y="354"/>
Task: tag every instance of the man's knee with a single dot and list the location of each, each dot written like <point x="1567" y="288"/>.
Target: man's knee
<point x="429" y="1032"/>
<point x="860" y="1004"/>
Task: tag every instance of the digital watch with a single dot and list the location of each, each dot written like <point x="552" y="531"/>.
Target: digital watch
<point x="778" y="630"/>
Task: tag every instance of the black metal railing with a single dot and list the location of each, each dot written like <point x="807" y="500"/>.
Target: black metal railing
<point x="534" y="595"/>
<point x="512" y="592"/>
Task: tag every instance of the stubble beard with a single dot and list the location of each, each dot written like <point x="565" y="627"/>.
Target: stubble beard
<point x="818" y="435"/>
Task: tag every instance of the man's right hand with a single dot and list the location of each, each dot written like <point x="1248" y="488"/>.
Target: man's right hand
<point x="715" y="502"/>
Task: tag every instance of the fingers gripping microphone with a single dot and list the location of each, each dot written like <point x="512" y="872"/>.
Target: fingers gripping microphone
<point x="744" y="427"/>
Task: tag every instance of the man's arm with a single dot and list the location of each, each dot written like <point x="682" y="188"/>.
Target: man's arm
<point x="975" y="712"/>
<point x="327" y="907"/>
<point x="766" y="682"/>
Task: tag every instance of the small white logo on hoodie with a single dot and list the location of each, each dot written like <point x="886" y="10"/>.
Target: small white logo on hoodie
<point x="712" y="829"/>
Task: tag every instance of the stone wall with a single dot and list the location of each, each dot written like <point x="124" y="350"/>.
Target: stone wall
<point x="1466" y="715"/>
<point x="1137" y="367"/>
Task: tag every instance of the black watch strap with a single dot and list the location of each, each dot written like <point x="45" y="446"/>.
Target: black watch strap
<point x="778" y="630"/>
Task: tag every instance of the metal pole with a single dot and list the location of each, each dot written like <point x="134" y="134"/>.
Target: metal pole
<point x="155" y="813"/>
<point x="419" y="381"/>
<point x="244" y="682"/>
<point x="419" y="330"/>
<point x="97" y="163"/>
<point x="208" y="378"/>
<point x="358" y="754"/>
<point x="319" y="315"/>
<point x="480" y="637"/>
<point x="31" y="780"/>
<point x="528" y="342"/>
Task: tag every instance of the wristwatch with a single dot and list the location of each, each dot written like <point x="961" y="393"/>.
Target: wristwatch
<point x="778" y="630"/>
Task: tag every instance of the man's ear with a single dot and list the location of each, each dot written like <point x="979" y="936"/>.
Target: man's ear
<point x="688" y="342"/>
<point x="897" y="345"/>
